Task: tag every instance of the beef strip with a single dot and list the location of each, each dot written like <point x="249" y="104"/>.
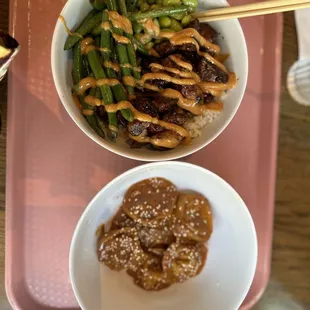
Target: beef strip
<point x="137" y="128"/>
<point x="211" y="73"/>
<point x="145" y="105"/>
<point x="165" y="48"/>
<point x="146" y="61"/>
<point x="207" y="97"/>
<point x="164" y="104"/>
<point x="121" y="119"/>
<point x="175" y="117"/>
<point x="167" y="62"/>
<point x="154" y="129"/>
<point x="188" y="91"/>
<point x="204" y="29"/>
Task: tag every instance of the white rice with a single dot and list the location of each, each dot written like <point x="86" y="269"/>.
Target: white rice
<point x="195" y="124"/>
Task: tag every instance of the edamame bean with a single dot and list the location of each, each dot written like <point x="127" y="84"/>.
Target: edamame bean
<point x="164" y="22"/>
<point x="171" y="2"/>
<point x="155" y="6"/>
<point x="190" y="3"/>
<point x="186" y="20"/>
<point x="167" y="30"/>
<point x="144" y="7"/>
<point x="149" y="45"/>
<point x="175" y="25"/>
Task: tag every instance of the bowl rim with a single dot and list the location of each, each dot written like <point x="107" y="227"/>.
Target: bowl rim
<point x="144" y="157"/>
<point x="154" y="165"/>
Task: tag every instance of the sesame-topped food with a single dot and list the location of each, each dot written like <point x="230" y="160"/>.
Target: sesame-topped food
<point x="121" y="220"/>
<point x="157" y="235"/>
<point x="150" y="201"/>
<point x="120" y="249"/>
<point x="150" y="275"/>
<point x="191" y="219"/>
<point x="182" y="262"/>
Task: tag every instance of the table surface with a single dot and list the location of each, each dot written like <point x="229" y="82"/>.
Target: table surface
<point x="290" y="276"/>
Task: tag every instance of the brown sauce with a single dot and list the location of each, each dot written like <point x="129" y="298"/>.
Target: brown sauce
<point x="158" y="235"/>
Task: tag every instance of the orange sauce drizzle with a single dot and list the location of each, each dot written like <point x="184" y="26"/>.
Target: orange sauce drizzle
<point x="69" y="32"/>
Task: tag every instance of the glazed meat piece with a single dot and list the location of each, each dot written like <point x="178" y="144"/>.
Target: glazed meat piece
<point x="165" y="48"/>
<point x="211" y="73"/>
<point x="169" y="139"/>
<point x="167" y="62"/>
<point x="188" y="47"/>
<point x="137" y="128"/>
<point x="207" y="97"/>
<point x="204" y="29"/>
<point x="120" y="119"/>
<point x="146" y="61"/>
<point x="158" y="83"/>
<point x="153" y="129"/>
<point x="174" y="117"/>
<point x="145" y="105"/>
<point x="164" y="104"/>
<point x="188" y="91"/>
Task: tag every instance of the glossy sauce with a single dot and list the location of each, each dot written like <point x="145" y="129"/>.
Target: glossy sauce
<point x="120" y="22"/>
<point x="69" y="32"/>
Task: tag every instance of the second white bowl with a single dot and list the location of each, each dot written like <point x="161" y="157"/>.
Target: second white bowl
<point x="232" y="248"/>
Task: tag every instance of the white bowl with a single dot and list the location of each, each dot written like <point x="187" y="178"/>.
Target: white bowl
<point x="231" y="40"/>
<point x="232" y="248"/>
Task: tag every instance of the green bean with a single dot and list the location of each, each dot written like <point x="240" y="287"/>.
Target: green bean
<point x="131" y="5"/>
<point x="151" y="1"/>
<point x="86" y="69"/>
<point x="132" y="57"/>
<point x="171" y="2"/>
<point x="164" y="22"/>
<point x="160" y="2"/>
<point x="85" y="28"/>
<point x="137" y="27"/>
<point x="175" y="25"/>
<point x="77" y="64"/>
<point x="98" y="4"/>
<point x="190" y="3"/>
<point x="78" y="75"/>
<point x="140" y="47"/>
<point x="186" y="20"/>
<point x="112" y="5"/>
<point x="178" y="16"/>
<point x="118" y="91"/>
<point x="166" y="11"/>
<point x="144" y="7"/>
<point x="96" y="31"/>
<point x="106" y="92"/>
<point x="122" y="7"/>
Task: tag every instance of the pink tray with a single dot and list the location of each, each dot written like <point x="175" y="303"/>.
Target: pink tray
<point x="53" y="169"/>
